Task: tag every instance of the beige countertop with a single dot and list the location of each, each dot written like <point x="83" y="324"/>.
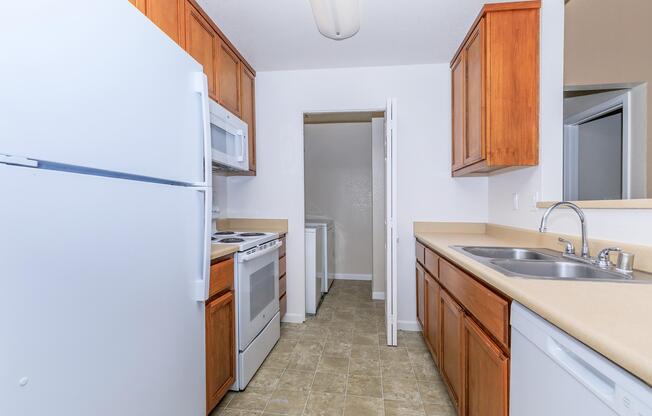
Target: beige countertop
<point x="221" y="250"/>
<point x="612" y="318"/>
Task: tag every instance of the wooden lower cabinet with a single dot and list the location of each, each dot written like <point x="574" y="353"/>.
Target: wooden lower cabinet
<point x="282" y="284"/>
<point x="220" y="348"/>
<point x="451" y="360"/>
<point x="420" y="295"/>
<point x="466" y="328"/>
<point x="486" y="372"/>
<point x="432" y="315"/>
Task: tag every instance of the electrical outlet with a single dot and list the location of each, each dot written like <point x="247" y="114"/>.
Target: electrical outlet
<point x="515" y="201"/>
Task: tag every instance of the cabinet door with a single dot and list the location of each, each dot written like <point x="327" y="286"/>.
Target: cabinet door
<point x="486" y="374"/>
<point x="201" y="44"/>
<point x="459" y="112"/>
<point x="228" y="74"/>
<point x="248" y="100"/>
<point x="220" y="348"/>
<point x="168" y="15"/>
<point x="420" y="296"/>
<point x="474" y="146"/>
<point x="452" y="322"/>
<point x="433" y="302"/>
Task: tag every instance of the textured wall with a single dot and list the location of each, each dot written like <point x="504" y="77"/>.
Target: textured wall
<point x="338" y="186"/>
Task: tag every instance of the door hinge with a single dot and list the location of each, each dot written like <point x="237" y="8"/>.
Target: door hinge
<point x="18" y="161"/>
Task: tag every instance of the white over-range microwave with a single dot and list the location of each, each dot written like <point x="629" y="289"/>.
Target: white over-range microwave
<point x="229" y="140"/>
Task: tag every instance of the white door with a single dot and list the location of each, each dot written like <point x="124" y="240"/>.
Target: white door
<point x="96" y="84"/>
<point x="391" y="239"/>
<point x="98" y="314"/>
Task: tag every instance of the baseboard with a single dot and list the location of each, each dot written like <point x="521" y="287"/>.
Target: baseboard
<point x="409" y="326"/>
<point x="378" y="295"/>
<point x="294" y="318"/>
<point x="347" y="276"/>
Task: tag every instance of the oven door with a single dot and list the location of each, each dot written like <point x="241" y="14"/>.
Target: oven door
<point x="257" y="292"/>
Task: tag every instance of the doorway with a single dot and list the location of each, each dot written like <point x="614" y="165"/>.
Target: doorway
<point x="345" y="181"/>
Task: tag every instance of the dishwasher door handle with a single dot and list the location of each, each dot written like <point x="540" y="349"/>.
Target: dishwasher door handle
<point x="584" y="372"/>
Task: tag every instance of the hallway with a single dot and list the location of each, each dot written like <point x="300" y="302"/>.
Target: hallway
<point x="337" y="363"/>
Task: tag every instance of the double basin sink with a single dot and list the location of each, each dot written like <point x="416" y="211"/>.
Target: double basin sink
<point x="546" y="264"/>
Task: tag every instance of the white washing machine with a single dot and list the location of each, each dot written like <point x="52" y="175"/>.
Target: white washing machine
<point x="313" y="260"/>
<point x="325" y="251"/>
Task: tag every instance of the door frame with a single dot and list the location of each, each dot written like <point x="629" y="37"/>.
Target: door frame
<point x="391" y="229"/>
<point x="571" y="143"/>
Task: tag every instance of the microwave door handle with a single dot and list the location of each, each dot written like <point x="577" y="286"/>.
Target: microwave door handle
<point x="242" y="146"/>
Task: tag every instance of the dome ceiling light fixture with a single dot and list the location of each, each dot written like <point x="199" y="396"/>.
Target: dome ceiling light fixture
<point x="336" y="19"/>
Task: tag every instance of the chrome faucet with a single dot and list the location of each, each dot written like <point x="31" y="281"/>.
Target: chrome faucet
<point x="585" y="242"/>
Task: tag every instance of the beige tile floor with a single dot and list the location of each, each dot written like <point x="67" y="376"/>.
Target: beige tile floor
<point x="337" y="363"/>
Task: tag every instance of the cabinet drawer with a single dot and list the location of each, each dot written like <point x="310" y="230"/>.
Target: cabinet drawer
<point x="282" y="285"/>
<point x="283" y="305"/>
<point x="221" y="277"/>
<point x="488" y="308"/>
<point x="420" y="253"/>
<point x="281" y="250"/>
<point x="281" y="267"/>
<point x="432" y="263"/>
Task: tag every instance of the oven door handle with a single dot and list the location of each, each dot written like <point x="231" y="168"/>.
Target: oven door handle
<point x="255" y="255"/>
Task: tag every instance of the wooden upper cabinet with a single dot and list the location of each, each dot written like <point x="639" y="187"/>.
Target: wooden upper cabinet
<point x="168" y="15"/>
<point x="486" y="374"/>
<point x="248" y="102"/>
<point x="458" y="82"/>
<point x="495" y="91"/>
<point x="202" y="44"/>
<point x="473" y="145"/>
<point x="421" y="295"/>
<point x="450" y="359"/>
<point x="220" y="348"/>
<point x="432" y="307"/>
<point x="228" y="78"/>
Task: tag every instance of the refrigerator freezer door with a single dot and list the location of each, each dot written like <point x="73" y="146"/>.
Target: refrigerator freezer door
<point x="97" y="296"/>
<point x="97" y="85"/>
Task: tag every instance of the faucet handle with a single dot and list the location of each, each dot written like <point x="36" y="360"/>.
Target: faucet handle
<point x="570" y="248"/>
<point x="603" y="256"/>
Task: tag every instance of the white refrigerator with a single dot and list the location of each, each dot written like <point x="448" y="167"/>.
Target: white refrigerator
<point x="105" y="214"/>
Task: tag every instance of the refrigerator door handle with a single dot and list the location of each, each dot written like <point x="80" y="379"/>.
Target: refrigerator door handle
<point x="202" y="285"/>
<point x="201" y="86"/>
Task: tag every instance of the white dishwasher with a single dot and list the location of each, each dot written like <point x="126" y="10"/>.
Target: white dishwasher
<point x="553" y="374"/>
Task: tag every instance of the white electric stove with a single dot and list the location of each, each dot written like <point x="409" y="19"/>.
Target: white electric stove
<point x="258" y="322"/>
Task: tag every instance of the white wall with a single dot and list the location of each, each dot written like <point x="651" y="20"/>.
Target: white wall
<point x="426" y="191"/>
<point x="338" y="186"/>
<point x="545" y="181"/>
<point x="220" y="199"/>
<point x="379" y="201"/>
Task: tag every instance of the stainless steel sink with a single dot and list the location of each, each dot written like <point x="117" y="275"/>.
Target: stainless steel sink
<point x="508" y="253"/>
<point x="568" y="270"/>
<point x="539" y="263"/>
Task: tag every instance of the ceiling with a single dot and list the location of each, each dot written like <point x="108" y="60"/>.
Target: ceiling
<point x="281" y="34"/>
